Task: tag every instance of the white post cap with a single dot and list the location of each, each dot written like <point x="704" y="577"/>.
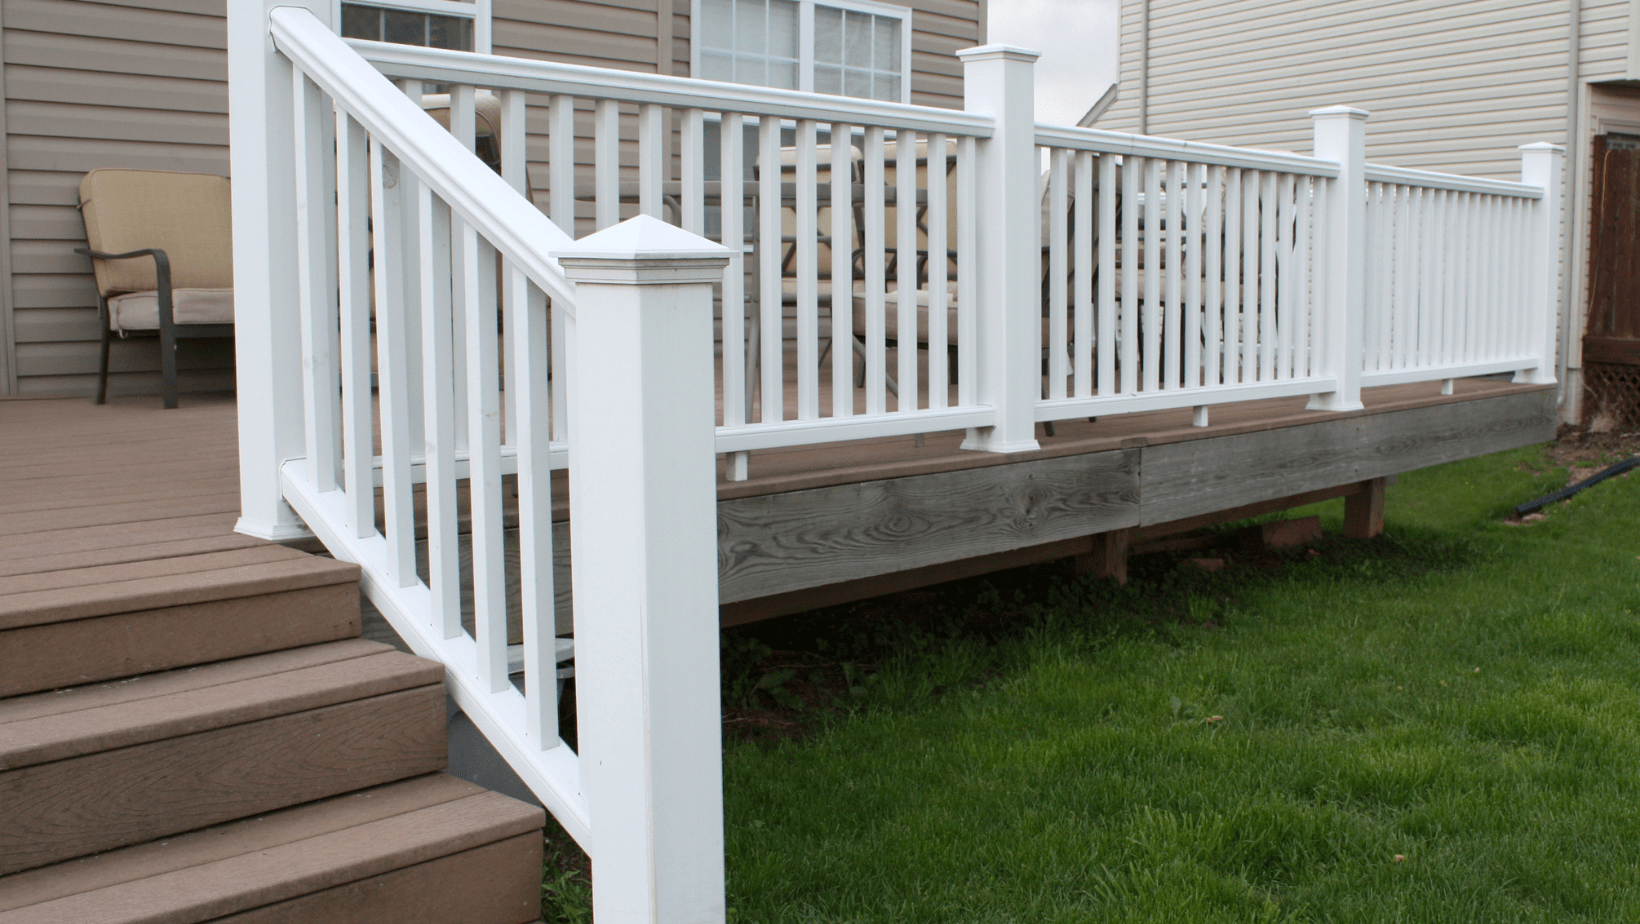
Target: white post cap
<point x="998" y="53"/>
<point x="1336" y="112"/>
<point x="644" y="251"/>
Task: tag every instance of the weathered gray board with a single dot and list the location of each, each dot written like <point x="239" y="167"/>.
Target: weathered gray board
<point x="781" y="543"/>
<point x="1202" y="476"/>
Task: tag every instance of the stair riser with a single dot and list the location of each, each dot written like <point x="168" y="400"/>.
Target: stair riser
<point x="498" y="883"/>
<point x="71" y="808"/>
<point x="67" y="654"/>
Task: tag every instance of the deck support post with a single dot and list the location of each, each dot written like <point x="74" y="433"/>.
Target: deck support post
<point x="1341" y="135"/>
<point x="1109" y="557"/>
<point x="998" y="81"/>
<point x="1364" y="510"/>
<point x="644" y="503"/>
<point x="267" y="326"/>
<point x="1540" y="165"/>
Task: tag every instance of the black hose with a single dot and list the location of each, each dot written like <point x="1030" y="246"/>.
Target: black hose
<point x="1607" y="472"/>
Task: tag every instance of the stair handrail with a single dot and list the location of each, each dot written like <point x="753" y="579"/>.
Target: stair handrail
<point x="478" y="194"/>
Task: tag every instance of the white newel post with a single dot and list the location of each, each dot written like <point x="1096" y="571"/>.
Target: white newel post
<point x="1341" y="135"/>
<point x="644" y="501"/>
<point x="1540" y="165"/>
<point x="267" y="324"/>
<point x="999" y="81"/>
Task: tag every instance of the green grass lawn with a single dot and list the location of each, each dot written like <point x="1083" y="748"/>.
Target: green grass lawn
<point x="1439" y="725"/>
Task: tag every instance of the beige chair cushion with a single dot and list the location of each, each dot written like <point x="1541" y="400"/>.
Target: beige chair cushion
<point x="187" y="215"/>
<point x="140" y="310"/>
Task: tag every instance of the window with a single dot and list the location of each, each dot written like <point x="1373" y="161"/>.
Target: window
<point x="460" y="25"/>
<point x="842" y="47"/>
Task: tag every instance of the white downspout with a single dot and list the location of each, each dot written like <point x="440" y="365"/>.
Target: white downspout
<point x="1144" y="66"/>
<point x="1574" y="45"/>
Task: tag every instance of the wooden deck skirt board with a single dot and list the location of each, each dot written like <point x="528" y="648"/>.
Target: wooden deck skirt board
<point x="822" y="540"/>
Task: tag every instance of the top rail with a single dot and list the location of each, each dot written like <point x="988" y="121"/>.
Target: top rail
<point x="1216" y="155"/>
<point x="1428" y="179"/>
<point x="496" y="71"/>
<point x="478" y="194"/>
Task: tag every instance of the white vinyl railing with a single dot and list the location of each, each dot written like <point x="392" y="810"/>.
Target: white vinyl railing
<point x="821" y="339"/>
<point x="410" y="251"/>
<point x="1448" y="268"/>
<point x="1176" y="274"/>
<point x="406" y="323"/>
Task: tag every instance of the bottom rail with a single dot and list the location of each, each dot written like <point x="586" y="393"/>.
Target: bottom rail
<point x="1067" y="408"/>
<point x="553" y="774"/>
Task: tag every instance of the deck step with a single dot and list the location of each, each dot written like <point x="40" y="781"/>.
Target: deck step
<point x="88" y="624"/>
<point x="429" y="849"/>
<point x="109" y="765"/>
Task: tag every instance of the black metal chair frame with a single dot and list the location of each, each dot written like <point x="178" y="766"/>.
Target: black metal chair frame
<point x="169" y="331"/>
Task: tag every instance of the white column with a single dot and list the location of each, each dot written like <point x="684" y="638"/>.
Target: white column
<point x="998" y="81"/>
<point x="267" y="325"/>
<point x="1540" y="165"/>
<point x="644" y="503"/>
<point x="1341" y="135"/>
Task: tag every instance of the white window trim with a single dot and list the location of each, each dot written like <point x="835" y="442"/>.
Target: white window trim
<point x="479" y="11"/>
<point x="805" y="38"/>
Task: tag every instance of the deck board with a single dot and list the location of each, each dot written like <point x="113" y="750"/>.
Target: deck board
<point x="129" y="488"/>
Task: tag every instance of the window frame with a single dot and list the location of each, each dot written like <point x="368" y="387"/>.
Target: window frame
<point x="479" y="11"/>
<point x="805" y="38"/>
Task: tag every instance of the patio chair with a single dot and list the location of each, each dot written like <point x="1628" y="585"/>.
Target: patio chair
<point x="161" y="247"/>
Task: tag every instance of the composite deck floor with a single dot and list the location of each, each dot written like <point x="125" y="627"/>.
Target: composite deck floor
<point x="110" y="497"/>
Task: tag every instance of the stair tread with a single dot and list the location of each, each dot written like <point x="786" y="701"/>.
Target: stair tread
<point x="68" y="731"/>
<point x="144" y="593"/>
<point x="272" y="857"/>
<point x="111" y="573"/>
<point x="145" y="548"/>
<point x="164" y="683"/>
<point x="90" y="538"/>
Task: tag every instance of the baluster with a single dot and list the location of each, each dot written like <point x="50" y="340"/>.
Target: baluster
<point x="808" y="274"/>
<point x="1285" y="289"/>
<point x="1303" y="297"/>
<point x="1405" y="280"/>
<point x="842" y="270"/>
<point x="939" y="269"/>
<point x="316" y="281"/>
<point x="1108" y="198"/>
<point x="1234" y="184"/>
<point x="1491" y="245"/>
<point x="1082" y="365"/>
<point x="770" y="251"/>
<point x="905" y="263"/>
<point x="353" y="285"/>
<point x="606" y="161"/>
<point x="967" y="262"/>
<point x="692" y="163"/>
<point x="527" y="343"/>
<point x="1418" y="328"/>
<point x="732" y="204"/>
<point x="651" y="159"/>
<point x="1375" y="272"/>
<point x="1388" y="249"/>
<point x="1195" y="182"/>
<point x="1151" y="314"/>
<point x="876" y="358"/>
<point x="1440" y="278"/>
<point x="1132" y="168"/>
<point x="391" y="364"/>
<point x="484" y="461"/>
<point x="561" y="200"/>
<point x="1175" y="232"/>
<point x="1214" y="258"/>
<point x="1522" y="282"/>
<point x="409" y="233"/>
<point x="1058" y="251"/>
<point x="1471" y="272"/>
<point x="438" y="366"/>
<point x="1262" y="266"/>
<point x="512" y="139"/>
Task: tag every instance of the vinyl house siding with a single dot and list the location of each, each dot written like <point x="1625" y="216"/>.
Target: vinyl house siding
<point x="143" y="84"/>
<point x="1451" y="86"/>
<point x="101" y="85"/>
